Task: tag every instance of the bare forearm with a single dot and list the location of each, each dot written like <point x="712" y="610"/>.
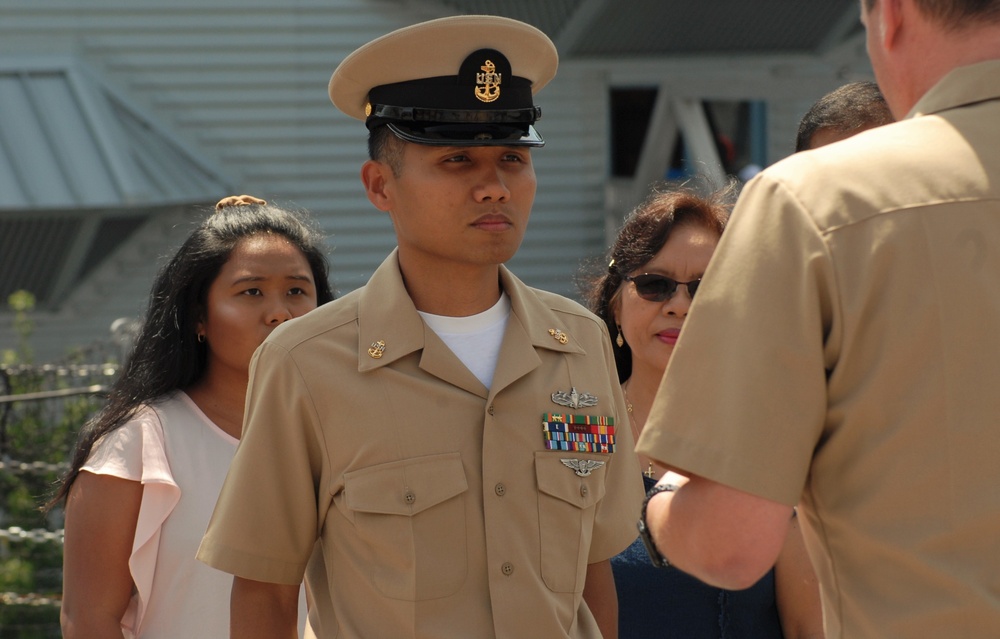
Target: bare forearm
<point x="602" y="598"/>
<point x="74" y="628"/>
<point x="796" y="589"/>
<point x="723" y="536"/>
<point x="261" y="610"/>
<point x="101" y="516"/>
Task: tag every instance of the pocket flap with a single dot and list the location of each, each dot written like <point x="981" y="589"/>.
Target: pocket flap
<point x="558" y="479"/>
<point x="405" y="487"/>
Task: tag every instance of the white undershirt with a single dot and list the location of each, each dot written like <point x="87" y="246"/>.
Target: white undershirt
<point x="475" y="339"/>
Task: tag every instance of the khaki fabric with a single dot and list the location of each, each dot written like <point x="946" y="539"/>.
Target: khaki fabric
<point x="844" y="350"/>
<point x="440" y="511"/>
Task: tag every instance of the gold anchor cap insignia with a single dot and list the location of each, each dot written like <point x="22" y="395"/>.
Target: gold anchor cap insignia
<point x="376" y="350"/>
<point x="488" y="82"/>
<point x="574" y="399"/>
<point x="558" y="335"/>
<point x="582" y="467"/>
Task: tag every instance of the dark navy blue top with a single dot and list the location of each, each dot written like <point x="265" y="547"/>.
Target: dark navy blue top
<point x="670" y="604"/>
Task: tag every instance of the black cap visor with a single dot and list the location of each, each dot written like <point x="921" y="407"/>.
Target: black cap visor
<point x="436" y="134"/>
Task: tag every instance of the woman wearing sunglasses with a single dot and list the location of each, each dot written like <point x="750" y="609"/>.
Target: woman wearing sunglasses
<point x="654" y="269"/>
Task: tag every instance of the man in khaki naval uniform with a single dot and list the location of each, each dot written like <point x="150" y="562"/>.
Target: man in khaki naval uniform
<point x="456" y="441"/>
<point x="844" y="351"/>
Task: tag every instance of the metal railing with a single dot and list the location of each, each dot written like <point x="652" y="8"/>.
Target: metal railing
<point x="42" y="408"/>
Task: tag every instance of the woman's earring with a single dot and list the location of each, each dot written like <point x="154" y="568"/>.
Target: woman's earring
<point x="201" y="338"/>
<point x="620" y="340"/>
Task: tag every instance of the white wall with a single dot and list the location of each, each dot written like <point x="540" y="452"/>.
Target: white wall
<point x="244" y="83"/>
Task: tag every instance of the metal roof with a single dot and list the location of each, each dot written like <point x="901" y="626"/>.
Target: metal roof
<point x="81" y="168"/>
<point x="69" y="141"/>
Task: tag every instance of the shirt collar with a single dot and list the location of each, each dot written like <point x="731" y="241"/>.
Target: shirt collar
<point x="389" y="326"/>
<point x="542" y="325"/>
<point x="961" y="86"/>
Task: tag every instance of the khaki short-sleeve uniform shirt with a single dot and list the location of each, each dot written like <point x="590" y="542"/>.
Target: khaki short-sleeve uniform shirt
<point x="844" y="350"/>
<point x="439" y="509"/>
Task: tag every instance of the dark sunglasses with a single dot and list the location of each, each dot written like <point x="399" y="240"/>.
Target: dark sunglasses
<point x="659" y="288"/>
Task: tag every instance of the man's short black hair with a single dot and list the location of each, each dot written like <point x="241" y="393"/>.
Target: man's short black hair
<point x="851" y="108"/>
<point x="384" y="146"/>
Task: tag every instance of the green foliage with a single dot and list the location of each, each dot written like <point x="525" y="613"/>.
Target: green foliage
<point x="22" y="303"/>
<point x="42" y="430"/>
<point x="16" y="575"/>
<point x="28" y="622"/>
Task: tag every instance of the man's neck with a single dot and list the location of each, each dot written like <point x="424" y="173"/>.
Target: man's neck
<point x="952" y="49"/>
<point x="451" y="290"/>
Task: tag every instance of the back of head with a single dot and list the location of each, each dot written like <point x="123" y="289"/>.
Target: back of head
<point x="956" y="14"/>
<point x="457" y="81"/>
<point x="847" y="110"/>
<point x="644" y="232"/>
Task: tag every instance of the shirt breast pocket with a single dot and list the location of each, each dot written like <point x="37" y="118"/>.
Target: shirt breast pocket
<point x="411" y="515"/>
<point x="567" y="503"/>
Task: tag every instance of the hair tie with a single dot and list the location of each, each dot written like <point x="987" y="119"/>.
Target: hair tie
<point x="238" y="200"/>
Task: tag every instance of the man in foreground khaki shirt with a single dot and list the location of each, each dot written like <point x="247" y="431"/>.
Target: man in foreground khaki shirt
<point x="844" y="351"/>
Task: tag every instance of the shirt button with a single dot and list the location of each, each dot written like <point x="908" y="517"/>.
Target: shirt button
<point x="507" y="568"/>
<point x="583" y="491"/>
<point x="500" y="490"/>
<point x="409" y="497"/>
<point x="490" y="409"/>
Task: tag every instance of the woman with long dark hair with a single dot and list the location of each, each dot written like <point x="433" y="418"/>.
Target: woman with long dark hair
<point x="148" y="468"/>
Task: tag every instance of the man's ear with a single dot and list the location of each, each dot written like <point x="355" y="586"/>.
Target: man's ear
<point x="891" y="20"/>
<point x="376" y="176"/>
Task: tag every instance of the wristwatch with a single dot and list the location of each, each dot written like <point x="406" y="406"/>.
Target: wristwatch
<point x="655" y="555"/>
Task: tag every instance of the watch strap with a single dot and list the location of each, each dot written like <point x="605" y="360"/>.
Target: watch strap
<point x="655" y="556"/>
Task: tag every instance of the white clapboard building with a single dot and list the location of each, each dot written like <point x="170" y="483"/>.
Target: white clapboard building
<point x="122" y="121"/>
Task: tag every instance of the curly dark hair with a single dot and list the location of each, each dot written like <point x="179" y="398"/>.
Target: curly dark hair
<point x="644" y="232"/>
<point x="167" y="355"/>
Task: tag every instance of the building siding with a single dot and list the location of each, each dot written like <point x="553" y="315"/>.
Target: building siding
<point x="243" y="82"/>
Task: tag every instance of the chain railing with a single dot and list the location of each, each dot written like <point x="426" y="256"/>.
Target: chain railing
<point x="15" y="467"/>
<point x="38" y="535"/>
<point x="42" y="408"/>
<point x="14" y="599"/>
